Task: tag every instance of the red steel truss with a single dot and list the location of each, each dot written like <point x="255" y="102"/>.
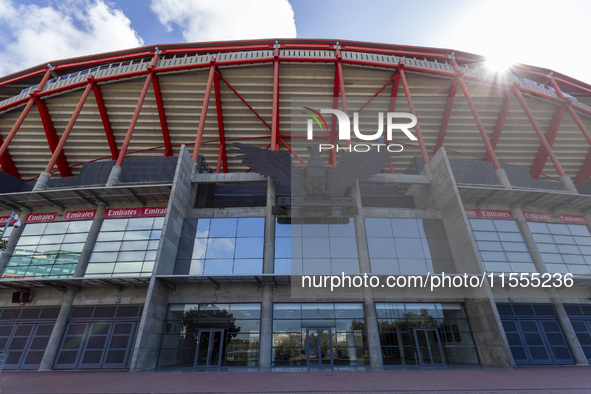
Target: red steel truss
<point x="276" y="141"/>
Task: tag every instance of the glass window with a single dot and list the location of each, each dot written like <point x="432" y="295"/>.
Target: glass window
<point x="337" y="330"/>
<point x="562" y="246"/>
<point x="199" y="335"/>
<point x="48" y="250"/>
<point x="222" y="246"/>
<point x="501" y="245"/>
<point x="407" y="246"/>
<point x="316" y="248"/>
<point x="403" y="325"/>
<point x="124" y="247"/>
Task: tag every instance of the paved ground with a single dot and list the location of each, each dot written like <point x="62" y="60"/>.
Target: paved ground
<point x="553" y="379"/>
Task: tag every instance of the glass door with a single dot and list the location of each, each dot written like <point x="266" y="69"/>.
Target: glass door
<point x="209" y="348"/>
<point x="319" y="347"/>
<point x="429" y="348"/>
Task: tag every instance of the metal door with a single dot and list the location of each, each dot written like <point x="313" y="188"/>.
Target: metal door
<point x="210" y="348"/>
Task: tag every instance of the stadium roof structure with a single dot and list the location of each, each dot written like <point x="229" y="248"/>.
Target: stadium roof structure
<point x="148" y="101"/>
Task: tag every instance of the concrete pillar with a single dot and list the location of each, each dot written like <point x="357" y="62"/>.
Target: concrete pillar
<point x="588" y="219"/>
<point x="12" y="241"/>
<point x="502" y="178"/>
<point x="114" y="175"/>
<point x="569" y="334"/>
<point x="563" y="319"/>
<point x="148" y="339"/>
<point x="480" y="305"/>
<point x="269" y="249"/>
<point x="362" y="247"/>
<point x="493" y="348"/>
<point x="529" y="240"/>
<point x="567" y="184"/>
<point x="373" y="333"/>
<point x="58" y="331"/>
<point x="266" y="334"/>
<point x="42" y="181"/>
<point x="369" y="309"/>
<point x="149" y="334"/>
<point x="93" y="234"/>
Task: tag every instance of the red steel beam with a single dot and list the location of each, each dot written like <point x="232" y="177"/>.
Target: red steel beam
<point x="100" y="102"/>
<point x="7" y="163"/>
<point x="204" y="111"/>
<point x="494" y="139"/>
<point x="332" y="137"/>
<point x="585" y="170"/>
<point x="136" y="113"/>
<point x="222" y="156"/>
<point x="392" y="107"/>
<point x="541" y="157"/>
<point x="489" y="149"/>
<point x="244" y="101"/>
<point x="451" y="95"/>
<point x="162" y="116"/>
<point x="275" y="112"/>
<point x="24" y="113"/>
<point x="412" y="111"/>
<point x="52" y="138"/>
<point x="60" y="146"/>
<point x="547" y="147"/>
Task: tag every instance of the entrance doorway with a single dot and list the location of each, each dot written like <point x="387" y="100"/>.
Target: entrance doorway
<point x="210" y="345"/>
<point x="429" y="350"/>
<point x="319" y="347"/>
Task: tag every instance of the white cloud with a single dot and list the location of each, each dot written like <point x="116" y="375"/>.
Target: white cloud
<point x="206" y="20"/>
<point x="32" y="35"/>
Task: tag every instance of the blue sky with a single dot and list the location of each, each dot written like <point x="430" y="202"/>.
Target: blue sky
<point x="545" y="33"/>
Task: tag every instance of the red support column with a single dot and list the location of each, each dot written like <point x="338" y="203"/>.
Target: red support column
<point x="136" y="113"/>
<point x="392" y="108"/>
<point x="222" y="156"/>
<point x="541" y="157"/>
<point x="446" y="114"/>
<point x="332" y="138"/>
<point x="539" y="132"/>
<point x="341" y="81"/>
<point x="412" y="111"/>
<point x="489" y="149"/>
<point x="339" y="87"/>
<point x="162" y="116"/>
<point x="204" y="111"/>
<point x="585" y="170"/>
<point x="494" y="139"/>
<point x="60" y="146"/>
<point x="52" y="138"/>
<point x="7" y="163"/>
<point x="100" y="102"/>
<point x="23" y="114"/>
<point x="275" y="113"/>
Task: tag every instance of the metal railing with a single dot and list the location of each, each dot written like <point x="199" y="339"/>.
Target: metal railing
<point x="187" y="60"/>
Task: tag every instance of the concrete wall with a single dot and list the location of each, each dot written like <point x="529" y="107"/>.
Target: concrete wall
<point x="182" y="196"/>
<point x="488" y="332"/>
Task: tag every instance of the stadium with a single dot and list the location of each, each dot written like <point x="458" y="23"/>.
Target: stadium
<point x="150" y="237"/>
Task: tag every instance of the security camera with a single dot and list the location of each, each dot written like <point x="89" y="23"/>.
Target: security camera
<point x="18" y="221"/>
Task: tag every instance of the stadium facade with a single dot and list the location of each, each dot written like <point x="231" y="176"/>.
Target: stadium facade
<point x="146" y="244"/>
